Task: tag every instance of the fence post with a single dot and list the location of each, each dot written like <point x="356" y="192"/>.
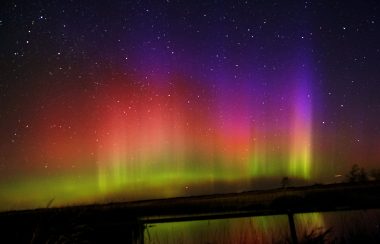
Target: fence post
<point x="292" y="227"/>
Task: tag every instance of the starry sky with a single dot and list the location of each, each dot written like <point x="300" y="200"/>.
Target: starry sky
<point x="110" y="100"/>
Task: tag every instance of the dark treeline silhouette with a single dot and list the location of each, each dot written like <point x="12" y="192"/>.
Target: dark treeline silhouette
<point x="359" y="174"/>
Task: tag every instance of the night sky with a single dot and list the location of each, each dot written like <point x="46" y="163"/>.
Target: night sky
<point x="110" y="100"/>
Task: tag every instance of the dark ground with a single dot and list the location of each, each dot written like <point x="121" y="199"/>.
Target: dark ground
<point x="124" y="222"/>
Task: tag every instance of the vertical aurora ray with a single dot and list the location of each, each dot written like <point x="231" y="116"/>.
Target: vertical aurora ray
<point x="111" y="167"/>
<point x="301" y="138"/>
<point x="282" y="142"/>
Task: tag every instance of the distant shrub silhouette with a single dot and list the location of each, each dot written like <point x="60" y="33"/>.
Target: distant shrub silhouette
<point x="285" y="182"/>
<point x="357" y="174"/>
<point x="375" y="174"/>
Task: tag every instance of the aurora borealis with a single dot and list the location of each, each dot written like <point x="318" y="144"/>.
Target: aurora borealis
<point x="124" y="100"/>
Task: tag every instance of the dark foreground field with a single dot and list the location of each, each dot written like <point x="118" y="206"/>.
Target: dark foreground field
<point x="115" y="222"/>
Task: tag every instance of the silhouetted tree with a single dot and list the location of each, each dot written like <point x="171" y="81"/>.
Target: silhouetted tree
<point x="375" y="174"/>
<point x="357" y="174"/>
<point x="363" y="176"/>
<point x="354" y="173"/>
<point x="285" y="182"/>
